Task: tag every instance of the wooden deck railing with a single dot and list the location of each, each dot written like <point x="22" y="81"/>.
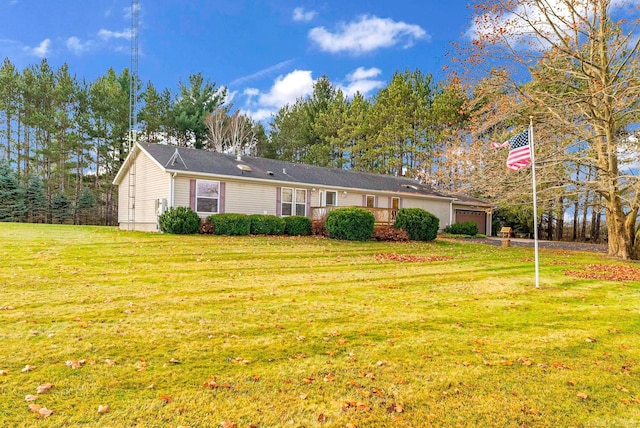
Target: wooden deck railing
<point x="383" y="216"/>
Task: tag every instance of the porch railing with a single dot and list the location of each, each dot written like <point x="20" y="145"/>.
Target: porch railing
<point x="383" y="216"/>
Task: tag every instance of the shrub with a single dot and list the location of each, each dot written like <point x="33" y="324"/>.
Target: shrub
<point x="352" y="224"/>
<point x="389" y="234"/>
<point x="319" y="228"/>
<point x="297" y="226"/>
<point x="179" y="220"/>
<point x="419" y="224"/>
<point x="231" y="224"/>
<point x="206" y="227"/>
<point x="266" y="225"/>
<point x="466" y="228"/>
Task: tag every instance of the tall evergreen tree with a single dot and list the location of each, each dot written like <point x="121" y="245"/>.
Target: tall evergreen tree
<point x="35" y="200"/>
<point x="12" y="206"/>
<point x="60" y="208"/>
<point x="84" y="204"/>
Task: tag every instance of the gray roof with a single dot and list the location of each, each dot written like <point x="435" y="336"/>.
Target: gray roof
<point x="206" y="162"/>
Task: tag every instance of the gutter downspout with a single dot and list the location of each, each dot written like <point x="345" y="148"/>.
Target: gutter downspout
<point x="450" y="213"/>
<point x="172" y="189"/>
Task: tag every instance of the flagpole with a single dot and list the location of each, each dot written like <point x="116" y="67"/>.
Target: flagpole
<point x="535" y="201"/>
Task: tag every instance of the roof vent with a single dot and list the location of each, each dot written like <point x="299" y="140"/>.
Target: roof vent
<point x="269" y="172"/>
<point x="284" y="171"/>
<point x="411" y="186"/>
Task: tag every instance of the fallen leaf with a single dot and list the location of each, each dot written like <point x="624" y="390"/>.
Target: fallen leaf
<point x="301" y="338"/>
<point x="35" y="407"/>
<point x="110" y="362"/>
<point x="363" y="407"/>
<point x="30" y="397"/>
<point x="152" y="386"/>
<point x="7" y="308"/>
<point x="329" y="378"/>
<point x="227" y="424"/>
<point x="4" y="372"/>
<point x="44" y="412"/>
<point x="342" y="341"/>
<point x="322" y="417"/>
<point x="621" y="388"/>
<point x="174" y="361"/>
<point x="561" y="366"/>
<point x="350" y="425"/>
<point x="572" y="382"/>
<point x="44" y="388"/>
<point x="166" y="399"/>
<point x="303" y="396"/>
<point x="307" y="380"/>
<point x="103" y="409"/>
<point x="75" y="364"/>
<point x="28" y="368"/>
<point x="582" y="395"/>
<point x="590" y="340"/>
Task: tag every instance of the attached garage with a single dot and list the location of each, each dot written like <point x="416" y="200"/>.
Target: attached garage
<point x="478" y="217"/>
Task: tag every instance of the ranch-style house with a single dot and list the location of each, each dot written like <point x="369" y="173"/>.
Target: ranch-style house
<point x="155" y="177"/>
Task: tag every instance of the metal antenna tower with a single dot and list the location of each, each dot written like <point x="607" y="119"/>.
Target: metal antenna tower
<point x="133" y="113"/>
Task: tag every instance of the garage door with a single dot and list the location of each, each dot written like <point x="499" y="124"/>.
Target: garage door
<point x="478" y="217"/>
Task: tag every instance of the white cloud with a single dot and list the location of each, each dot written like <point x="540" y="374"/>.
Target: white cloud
<point x="301" y="15"/>
<point x="42" y="50"/>
<point x="108" y="34"/>
<point x="77" y="46"/>
<point x="366" y="35"/>
<point x="285" y="90"/>
<point x="362" y="80"/>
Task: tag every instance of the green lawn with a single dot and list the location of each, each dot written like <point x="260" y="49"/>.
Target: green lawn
<point x="208" y="331"/>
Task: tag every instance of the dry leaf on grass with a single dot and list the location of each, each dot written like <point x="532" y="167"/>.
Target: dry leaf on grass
<point x="227" y="424"/>
<point x="110" y="362"/>
<point x="166" y="399"/>
<point x="410" y="258"/>
<point x="45" y="387"/>
<point x="4" y="372"/>
<point x="103" y="409"/>
<point x="607" y="272"/>
<point x="30" y="397"/>
<point x="42" y="411"/>
<point x="28" y="368"/>
<point x="582" y="395"/>
<point x="75" y="364"/>
<point x="322" y="417"/>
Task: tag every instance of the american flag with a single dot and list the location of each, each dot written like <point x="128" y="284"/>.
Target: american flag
<point x="519" y="151"/>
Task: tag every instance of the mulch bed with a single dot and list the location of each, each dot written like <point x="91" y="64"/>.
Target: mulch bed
<point x="607" y="273"/>
<point x="410" y="258"/>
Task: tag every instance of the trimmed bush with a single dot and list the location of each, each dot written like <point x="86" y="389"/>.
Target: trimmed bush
<point x="179" y="220"/>
<point x="230" y="224"/>
<point x="297" y="226"/>
<point x="389" y="234"/>
<point x="351" y="224"/>
<point x="466" y="228"/>
<point x="419" y="224"/>
<point x="266" y="225"/>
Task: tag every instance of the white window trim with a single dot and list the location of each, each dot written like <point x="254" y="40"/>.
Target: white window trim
<point x="366" y="200"/>
<point x="294" y="203"/>
<point x="336" y="198"/>
<point x="208" y="197"/>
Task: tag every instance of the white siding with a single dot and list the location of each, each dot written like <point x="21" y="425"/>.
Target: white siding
<point x="239" y="197"/>
<point x="440" y="209"/>
<point x="250" y="198"/>
<point x="151" y="183"/>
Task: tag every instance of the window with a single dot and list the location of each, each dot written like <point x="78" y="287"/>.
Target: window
<point x="301" y="202"/>
<point x="331" y="198"/>
<point x="371" y="201"/>
<point x="294" y="201"/>
<point x="207" y="196"/>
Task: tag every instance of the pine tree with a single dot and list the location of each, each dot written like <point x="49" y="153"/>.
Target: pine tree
<point x="35" y="200"/>
<point x="60" y="208"/>
<point x="85" y="203"/>
<point x="12" y="206"/>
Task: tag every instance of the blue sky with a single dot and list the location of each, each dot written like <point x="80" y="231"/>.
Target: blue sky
<point x="266" y="52"/>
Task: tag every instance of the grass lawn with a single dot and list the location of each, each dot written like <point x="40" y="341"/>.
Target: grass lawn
<point x="206" y="331"/>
